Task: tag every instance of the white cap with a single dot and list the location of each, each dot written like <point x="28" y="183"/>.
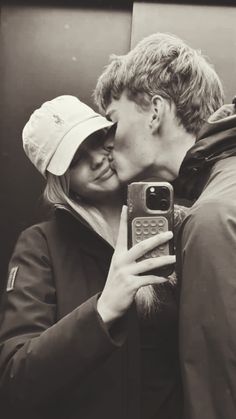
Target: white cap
<point x="54" y="132"/>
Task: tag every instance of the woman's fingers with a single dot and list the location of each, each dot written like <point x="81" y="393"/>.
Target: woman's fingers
<point x="142" y="281"/>
<point x="139" y="249"/>
<point x="151" y="263"/>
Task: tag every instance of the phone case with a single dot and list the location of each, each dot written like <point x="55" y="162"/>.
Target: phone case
<point x="144" y="222"/>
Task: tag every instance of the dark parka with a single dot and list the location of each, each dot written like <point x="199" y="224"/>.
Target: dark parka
<point x="57" y="358"/>
<point x="207" y="272"/>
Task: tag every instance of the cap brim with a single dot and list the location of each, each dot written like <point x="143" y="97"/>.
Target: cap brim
<point x="68" y="146"/>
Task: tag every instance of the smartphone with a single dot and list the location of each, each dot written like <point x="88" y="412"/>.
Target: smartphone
<point x="150" y="212"/>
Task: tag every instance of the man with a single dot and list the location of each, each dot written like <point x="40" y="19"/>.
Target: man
<point x="161" y="95"/>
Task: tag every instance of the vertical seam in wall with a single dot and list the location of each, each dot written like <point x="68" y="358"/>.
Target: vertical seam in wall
<point x="131" y="26"/>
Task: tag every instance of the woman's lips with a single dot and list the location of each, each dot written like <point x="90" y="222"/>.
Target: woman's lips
<point x="112" y="165"/>
<point x="105" y="173"/>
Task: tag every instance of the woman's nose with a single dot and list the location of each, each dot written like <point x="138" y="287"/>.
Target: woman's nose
<point x="109" y="143"/>
<point x="108" y="146"/>
<point x="110" y="157"/>
<point x="97" y="158"/>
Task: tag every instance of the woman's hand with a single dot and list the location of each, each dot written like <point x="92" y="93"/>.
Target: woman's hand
<point x="123" y="279"/>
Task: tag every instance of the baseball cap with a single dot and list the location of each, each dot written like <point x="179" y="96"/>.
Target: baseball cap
<point x="56" y="130"/>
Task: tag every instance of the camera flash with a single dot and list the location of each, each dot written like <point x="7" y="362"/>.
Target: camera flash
<point x="152" y="189"/>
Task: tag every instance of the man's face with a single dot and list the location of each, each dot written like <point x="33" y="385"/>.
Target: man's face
<point x="134" y="153"/>
<point x="148" y="143"/>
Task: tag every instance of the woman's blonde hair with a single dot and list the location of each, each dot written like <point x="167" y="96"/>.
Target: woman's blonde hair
<point x="57" y="194"/>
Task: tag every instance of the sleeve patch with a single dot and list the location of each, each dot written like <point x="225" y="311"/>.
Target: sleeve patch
<point x="12" y="278"/>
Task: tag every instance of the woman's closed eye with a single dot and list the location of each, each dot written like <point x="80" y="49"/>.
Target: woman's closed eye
<point x="108" y="147"/>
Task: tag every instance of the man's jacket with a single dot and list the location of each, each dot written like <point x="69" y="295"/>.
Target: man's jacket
<point x="207" y="272"/>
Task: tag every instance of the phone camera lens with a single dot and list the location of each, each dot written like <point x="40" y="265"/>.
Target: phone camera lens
<point x="164" y="204"/>
<point x="158" y="198"/>
<point x="152" y="200"/>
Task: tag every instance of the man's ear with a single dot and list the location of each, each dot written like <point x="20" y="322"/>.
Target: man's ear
<point x="157" y="112"/>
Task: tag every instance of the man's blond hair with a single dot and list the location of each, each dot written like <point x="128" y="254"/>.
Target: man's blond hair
<point x="164" y="65"/>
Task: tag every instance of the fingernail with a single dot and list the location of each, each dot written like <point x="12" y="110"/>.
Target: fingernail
<point x="169" y="234"/>
<point x="124" y="209"/>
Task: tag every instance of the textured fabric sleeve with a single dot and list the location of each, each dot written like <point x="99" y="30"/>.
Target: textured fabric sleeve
<point x="208" y="312"/>
<point x="40" y="357"/>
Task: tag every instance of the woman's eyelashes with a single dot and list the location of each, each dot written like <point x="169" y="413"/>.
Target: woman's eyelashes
<point x="108" y="148"/>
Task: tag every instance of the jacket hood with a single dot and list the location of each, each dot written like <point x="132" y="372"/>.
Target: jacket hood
<point x="216" y="141"/>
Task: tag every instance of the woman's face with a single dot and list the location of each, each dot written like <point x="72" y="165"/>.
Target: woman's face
<point x="91" y="176"/>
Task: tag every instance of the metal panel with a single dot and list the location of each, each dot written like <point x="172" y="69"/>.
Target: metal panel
<point x="208" y="28"/>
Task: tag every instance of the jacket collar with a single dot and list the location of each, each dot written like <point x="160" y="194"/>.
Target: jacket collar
<point x="79" y="231"/>
<point x="216" y="141"/>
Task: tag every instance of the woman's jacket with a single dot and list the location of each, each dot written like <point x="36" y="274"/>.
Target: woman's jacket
<point x="57" y="358"/>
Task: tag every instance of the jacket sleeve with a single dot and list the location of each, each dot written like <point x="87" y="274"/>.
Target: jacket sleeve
<point x="39" y="357"/>
<point x="208" y="312"/>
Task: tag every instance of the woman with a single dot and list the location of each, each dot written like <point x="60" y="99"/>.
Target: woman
<point x="72" y="343"/>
